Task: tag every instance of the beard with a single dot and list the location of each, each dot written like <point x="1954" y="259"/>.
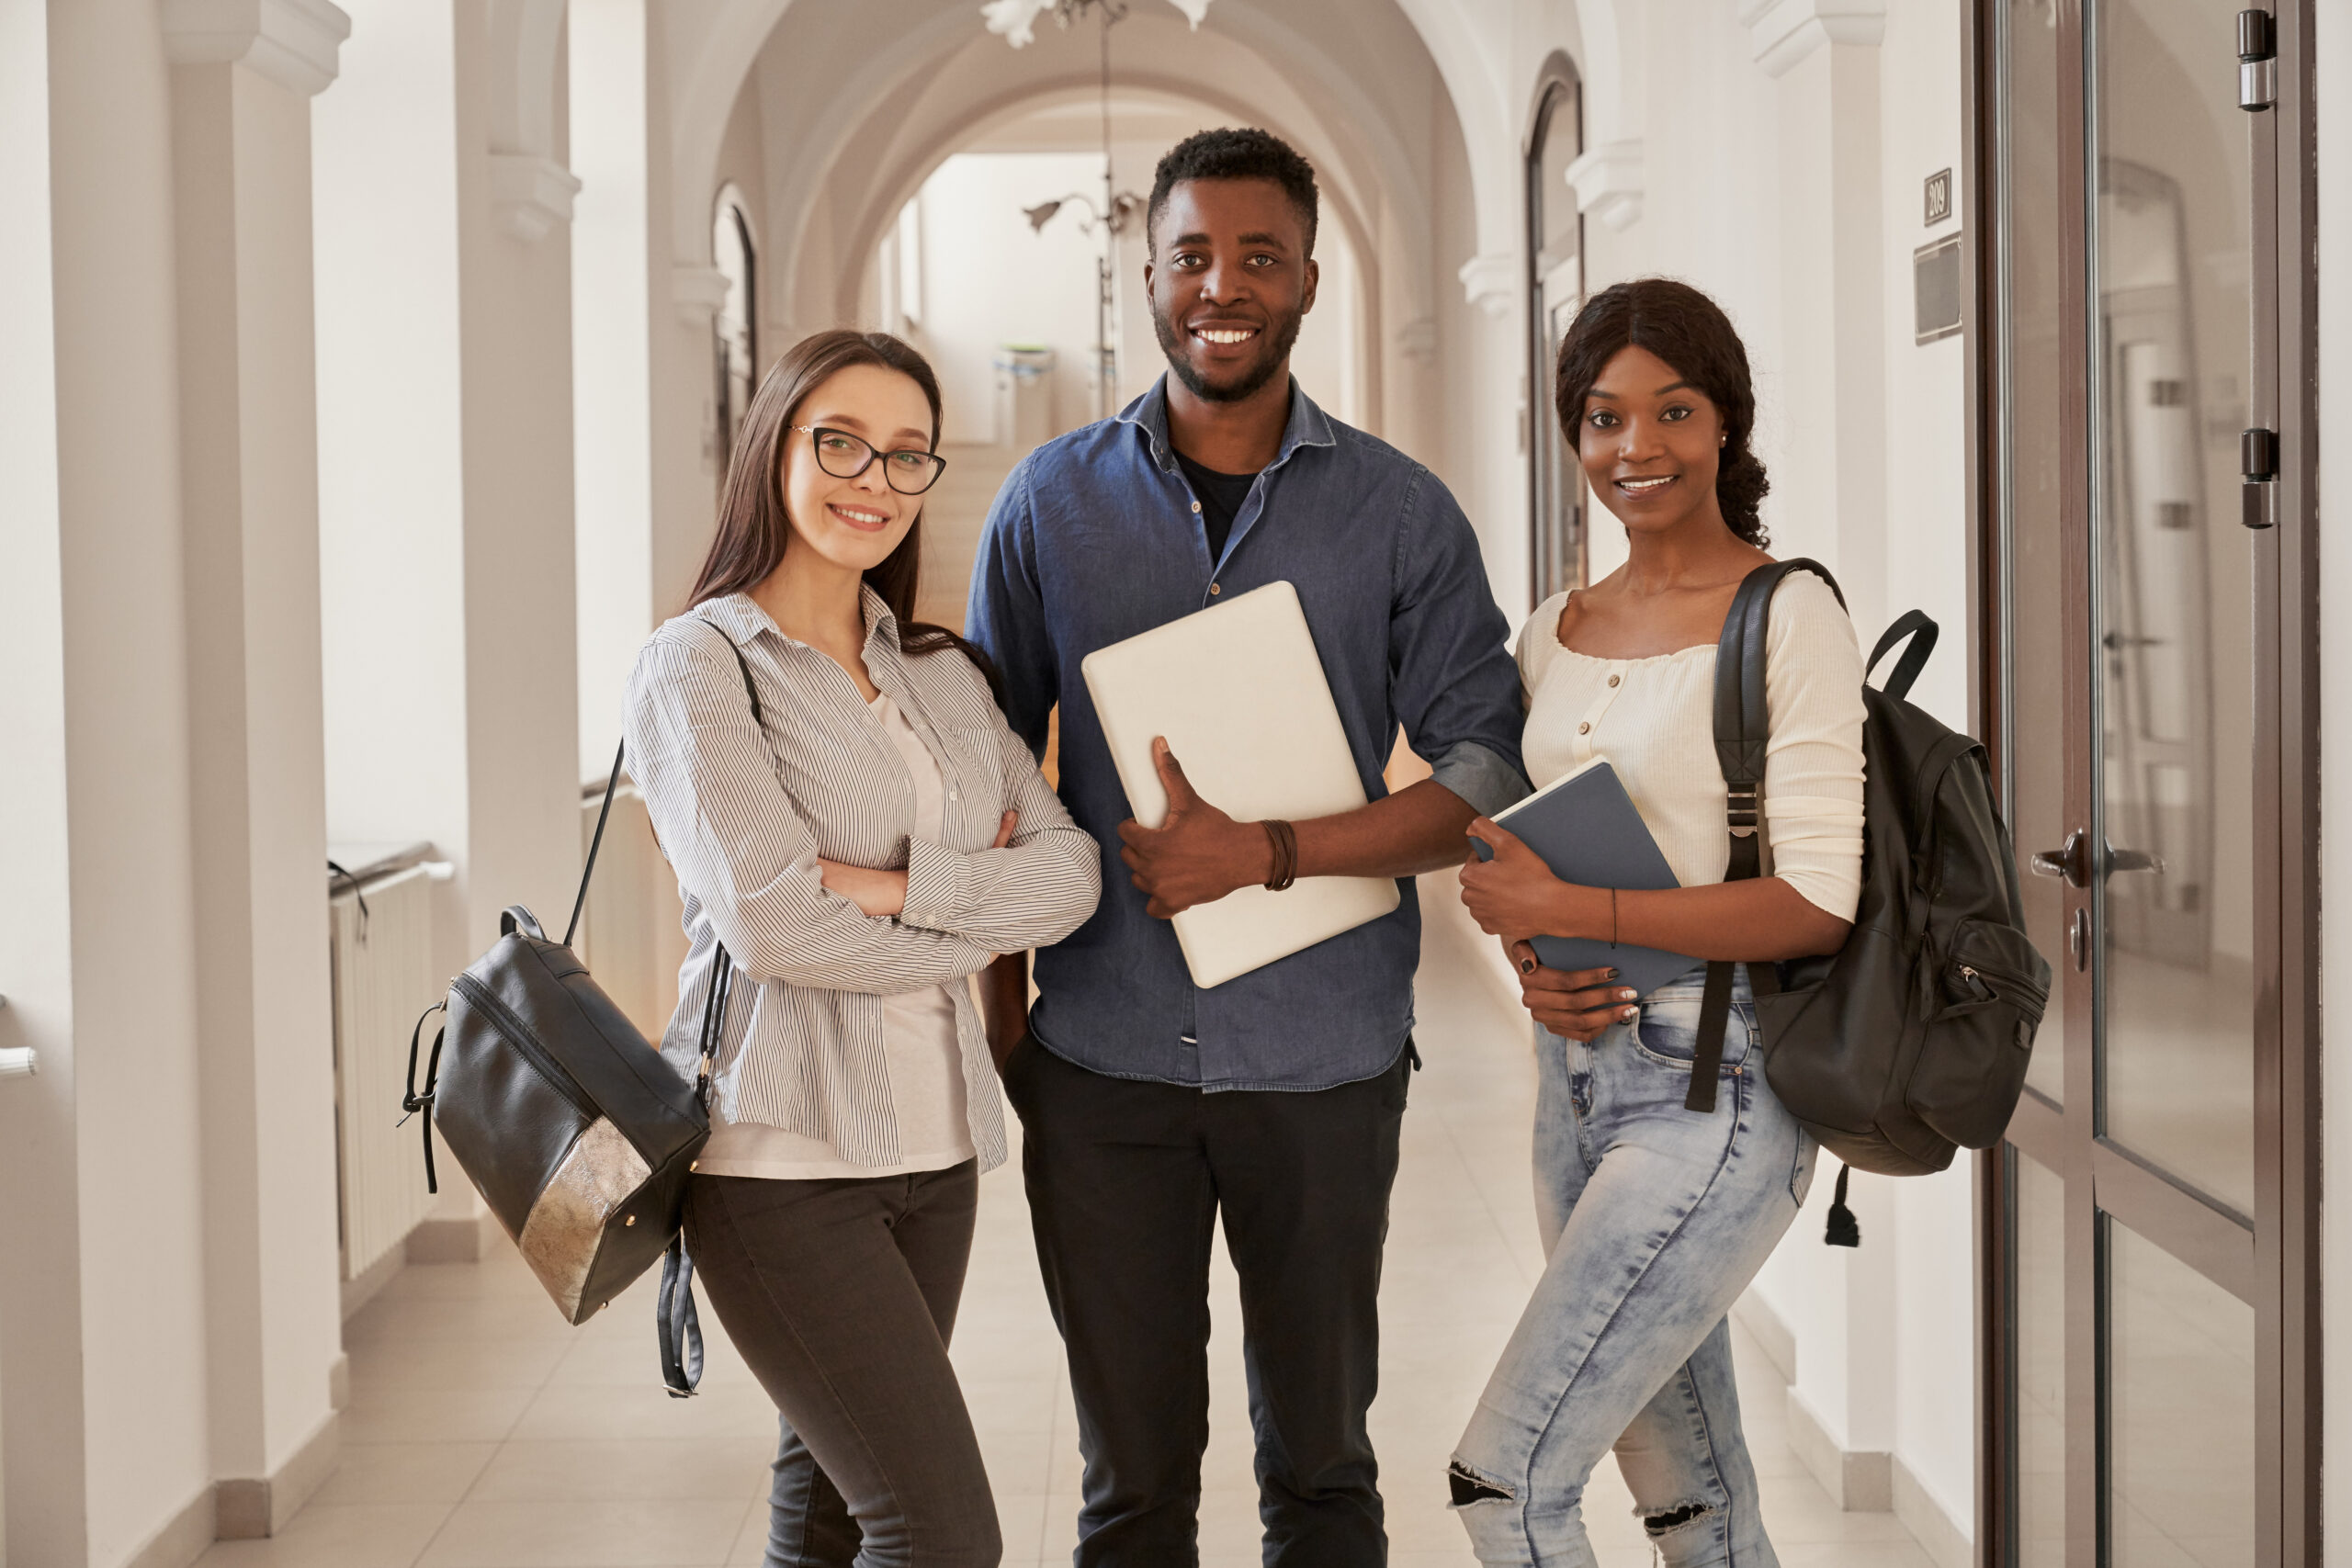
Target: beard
<point x="1274" y="356"/>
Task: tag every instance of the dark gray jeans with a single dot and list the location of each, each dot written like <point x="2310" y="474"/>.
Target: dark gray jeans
<point x="1128" y="1181"/>
<point x="841" y="1297"/>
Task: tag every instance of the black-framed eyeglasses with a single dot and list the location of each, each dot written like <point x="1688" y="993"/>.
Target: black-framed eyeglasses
<point x="844" y="456"/>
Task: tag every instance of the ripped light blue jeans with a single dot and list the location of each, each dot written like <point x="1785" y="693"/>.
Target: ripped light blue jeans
<point x="1655" y="1219"/>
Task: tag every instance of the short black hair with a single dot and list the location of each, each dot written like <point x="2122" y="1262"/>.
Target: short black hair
<point x="1234" y="154"/>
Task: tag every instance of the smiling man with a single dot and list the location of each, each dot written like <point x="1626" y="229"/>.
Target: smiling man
<point x="1150" y="1106"/>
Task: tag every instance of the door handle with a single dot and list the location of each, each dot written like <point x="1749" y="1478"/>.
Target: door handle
<point x="2071" y="862"/>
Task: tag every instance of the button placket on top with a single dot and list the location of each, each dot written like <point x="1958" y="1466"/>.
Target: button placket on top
<point x="1589" y="724"/>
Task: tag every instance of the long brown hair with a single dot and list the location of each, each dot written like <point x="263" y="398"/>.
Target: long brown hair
<point x="752" y="524"/>
<point x="1691" y="332"/>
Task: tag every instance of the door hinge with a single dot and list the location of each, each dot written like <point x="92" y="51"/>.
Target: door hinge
<point x="2257" y="59"/>
<point x="2258" y="455"/>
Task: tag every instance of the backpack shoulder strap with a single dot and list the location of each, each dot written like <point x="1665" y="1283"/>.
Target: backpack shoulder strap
<point x="1743" y="727"/>
<point x="1923" y="632"/>
<point x="580" y="899"/>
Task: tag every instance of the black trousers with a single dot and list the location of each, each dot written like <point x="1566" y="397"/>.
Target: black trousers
<point x="1125" y="1182"/>
<point x="841" y="1296"/>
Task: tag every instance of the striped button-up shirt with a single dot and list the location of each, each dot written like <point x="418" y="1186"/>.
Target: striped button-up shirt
<point x="744" y="811"/>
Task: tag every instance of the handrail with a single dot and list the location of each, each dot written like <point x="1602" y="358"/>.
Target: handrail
<point x="591" y="791"/>
<point x="18" y="1061"/>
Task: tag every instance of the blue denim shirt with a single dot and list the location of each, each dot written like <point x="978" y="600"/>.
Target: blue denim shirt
<point x="1093" y="539"/>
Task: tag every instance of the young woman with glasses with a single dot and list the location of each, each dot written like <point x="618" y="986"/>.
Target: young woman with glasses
<point x="855" y="844"/>
<point x="1655" y="1217"/>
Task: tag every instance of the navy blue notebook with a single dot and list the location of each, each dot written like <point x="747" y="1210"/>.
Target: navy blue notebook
<point x="1584" y="828"/>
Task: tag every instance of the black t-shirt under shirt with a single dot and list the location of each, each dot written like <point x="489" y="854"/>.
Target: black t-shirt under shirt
<point x="1220" y="496"/>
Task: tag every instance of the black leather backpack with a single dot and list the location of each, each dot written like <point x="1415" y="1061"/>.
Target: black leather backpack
<point x="577" y="1132"/>
<point x="1911" y="1041"/>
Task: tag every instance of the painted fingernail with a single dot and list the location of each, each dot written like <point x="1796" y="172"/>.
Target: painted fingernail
<point x="1612" y="974"/>
<point x="1625" y="996"/>
<point x="1628" y="1014"/>
<point x="1527" y="966"/>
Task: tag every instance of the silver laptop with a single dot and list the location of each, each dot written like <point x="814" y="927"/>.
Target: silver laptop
<point x="1239" y="694"/>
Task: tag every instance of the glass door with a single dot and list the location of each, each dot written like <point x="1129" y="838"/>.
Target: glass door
<point x="2148" y="1354"/>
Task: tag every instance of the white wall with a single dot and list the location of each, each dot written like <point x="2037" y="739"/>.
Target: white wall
<point x="1926" y="566"/>
<point x="118" y="1146"/>
<point x="2333" y="41"/>
<point x="42" y="1454"/>
<point x="988" y="281"/>
<point x="612" y="361"/>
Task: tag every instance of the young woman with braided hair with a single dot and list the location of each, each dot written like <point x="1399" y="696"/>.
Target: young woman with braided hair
<point x="1655" y="1217"/>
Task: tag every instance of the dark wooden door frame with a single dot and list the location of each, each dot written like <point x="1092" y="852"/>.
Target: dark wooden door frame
<point x="2287" y="1084"/>
<point x="2276" y="1270"/>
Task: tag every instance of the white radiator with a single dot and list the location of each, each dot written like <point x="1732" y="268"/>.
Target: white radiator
<point x="631" y="936"/>
<point x="383" y="978"/>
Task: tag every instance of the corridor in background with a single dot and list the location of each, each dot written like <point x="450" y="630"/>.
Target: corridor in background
<point x="371" y="370"/>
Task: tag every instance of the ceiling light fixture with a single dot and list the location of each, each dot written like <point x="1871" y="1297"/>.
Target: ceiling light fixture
<point x="1119" y="210"/>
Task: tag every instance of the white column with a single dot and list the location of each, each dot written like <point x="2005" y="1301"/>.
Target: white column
<point x="1830" y="488"/>
<point x="241" y="83"/>
<point x="514" y="337"/>
<point x="612" y="361"/>
<point x="685" y="432"/>
<point x="119" y="1160"/>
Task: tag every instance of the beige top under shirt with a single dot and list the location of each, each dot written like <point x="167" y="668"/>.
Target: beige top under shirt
<point x="1654" y="721"/>
<point x="918" y="1042"/>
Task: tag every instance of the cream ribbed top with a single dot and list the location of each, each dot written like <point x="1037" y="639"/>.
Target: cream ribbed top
<point x="1654" y="721"/>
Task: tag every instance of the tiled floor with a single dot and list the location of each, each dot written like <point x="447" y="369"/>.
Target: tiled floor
<point x="482" y="1433"/>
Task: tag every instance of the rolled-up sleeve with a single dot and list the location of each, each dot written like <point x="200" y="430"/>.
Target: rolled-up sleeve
<point x="1036" y="890"/>
<point x="741" y="847"/>
<point x="1006" y="615"/>
<point x="1456" y="688"/>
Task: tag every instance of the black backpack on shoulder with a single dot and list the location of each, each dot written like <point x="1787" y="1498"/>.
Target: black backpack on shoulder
<point x="578" y="1134"/>
<point x="1911" y="1041"/>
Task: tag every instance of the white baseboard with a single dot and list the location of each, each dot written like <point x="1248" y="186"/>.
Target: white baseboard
<point x="1946" y="1543"/>
<point x="1859" y="1483"/>
<point x="251" y="1509"/>
<point x="186" y="1536"/>
<point x="1876" y="1482"/>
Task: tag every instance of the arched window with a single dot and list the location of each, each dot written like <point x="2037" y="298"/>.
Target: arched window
<point x="1556" y="291"/>
<point x="734" y="340"/>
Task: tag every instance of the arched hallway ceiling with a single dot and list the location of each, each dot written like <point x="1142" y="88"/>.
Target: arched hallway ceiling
<point x="1350" y="80"/>
<point x="1485" y="53"/>
<point x="1137" y="97"/>
<point x="948" y="120"/>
